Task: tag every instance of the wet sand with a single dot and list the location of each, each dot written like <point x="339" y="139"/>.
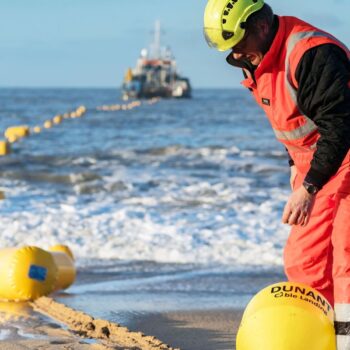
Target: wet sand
<point x="68" y="329"/>
<point x="193" y="330"/>
<point x="30" y="331"/>
<point x="52" y="325"/>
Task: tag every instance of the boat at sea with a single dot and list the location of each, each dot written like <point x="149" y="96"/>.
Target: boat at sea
<point x="155" y="74"/>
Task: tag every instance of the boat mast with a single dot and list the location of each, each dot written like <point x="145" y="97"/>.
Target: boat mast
<point x="156" y="42"/>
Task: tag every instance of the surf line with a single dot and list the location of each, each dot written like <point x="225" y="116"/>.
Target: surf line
<point x="112" y="334"/>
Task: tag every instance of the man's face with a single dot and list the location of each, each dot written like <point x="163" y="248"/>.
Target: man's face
<point x="250" y="48"/>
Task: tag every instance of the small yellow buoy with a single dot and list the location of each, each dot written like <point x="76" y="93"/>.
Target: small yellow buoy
<point x="57" y="119"/>
<point x="48" y="124"/>
<point x="37" y="129"/>
<point x="81" y="109"/>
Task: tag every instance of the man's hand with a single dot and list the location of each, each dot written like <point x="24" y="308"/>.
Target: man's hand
<point x="298" y="208"/>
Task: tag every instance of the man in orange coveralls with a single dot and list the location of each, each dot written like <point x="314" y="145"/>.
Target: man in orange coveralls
<point x="300" y="76"/>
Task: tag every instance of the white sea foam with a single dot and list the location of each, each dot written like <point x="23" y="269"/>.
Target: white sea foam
<point x="195" y="223"/>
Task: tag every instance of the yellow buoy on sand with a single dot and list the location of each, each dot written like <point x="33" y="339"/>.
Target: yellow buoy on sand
<point x="29" y="272"/>
<point x="287" y="316"/>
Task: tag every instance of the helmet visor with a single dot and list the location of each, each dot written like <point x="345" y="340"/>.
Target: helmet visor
<point x="210" y="36"/>
<point x="218" y="39"/>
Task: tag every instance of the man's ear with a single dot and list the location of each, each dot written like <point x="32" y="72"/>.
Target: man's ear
<point x="263" y="27"/>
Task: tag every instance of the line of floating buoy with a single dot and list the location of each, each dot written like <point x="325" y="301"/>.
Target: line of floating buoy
<point x="119" y="107"/>
<point x="17" y="132"/>
<point x="125" y="107"/>
<point x="154" y="100"/>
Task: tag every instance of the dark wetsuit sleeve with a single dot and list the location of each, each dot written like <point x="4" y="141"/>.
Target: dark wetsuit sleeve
<point x="323" y="76"/>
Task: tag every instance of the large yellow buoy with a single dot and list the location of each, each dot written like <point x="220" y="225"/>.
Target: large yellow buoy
<point x="26" y="273"/>
<point x="287" y="316"/>
<point x="29" y="272"/>
<point x="4" y="148"/>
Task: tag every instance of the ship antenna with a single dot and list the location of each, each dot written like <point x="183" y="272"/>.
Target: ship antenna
<point x="156" y="43"/>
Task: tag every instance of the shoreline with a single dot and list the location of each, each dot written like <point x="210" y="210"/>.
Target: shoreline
<point x="189" y="310"/>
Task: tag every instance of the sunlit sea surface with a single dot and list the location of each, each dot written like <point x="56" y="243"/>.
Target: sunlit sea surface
<point x="198" y="181"/>
<point x="168" y="206"/>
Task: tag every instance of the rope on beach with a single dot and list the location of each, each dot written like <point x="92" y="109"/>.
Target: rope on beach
<point x="113" y="335"/>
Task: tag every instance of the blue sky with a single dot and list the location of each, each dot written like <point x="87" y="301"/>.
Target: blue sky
<point x="90" y="43"/>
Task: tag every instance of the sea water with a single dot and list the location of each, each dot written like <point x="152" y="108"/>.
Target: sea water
<point x="186" y="190"/>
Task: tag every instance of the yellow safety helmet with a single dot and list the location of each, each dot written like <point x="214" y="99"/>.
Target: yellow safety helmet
<point x="224" y="21"/>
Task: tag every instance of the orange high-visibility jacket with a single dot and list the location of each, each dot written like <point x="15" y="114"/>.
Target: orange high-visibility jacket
<point x="275" y="87"/>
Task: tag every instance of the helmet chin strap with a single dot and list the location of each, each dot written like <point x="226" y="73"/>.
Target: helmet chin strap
<point x="243" y="63"/>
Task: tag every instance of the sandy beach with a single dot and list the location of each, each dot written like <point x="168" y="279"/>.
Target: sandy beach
<point x="194" y="330"/>
<point x="54" y="326"/>
<point x="21" y="328"/>
<point x="139" y="306"/>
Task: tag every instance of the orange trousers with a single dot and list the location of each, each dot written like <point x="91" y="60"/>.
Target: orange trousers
<point x="318" y="254"/>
